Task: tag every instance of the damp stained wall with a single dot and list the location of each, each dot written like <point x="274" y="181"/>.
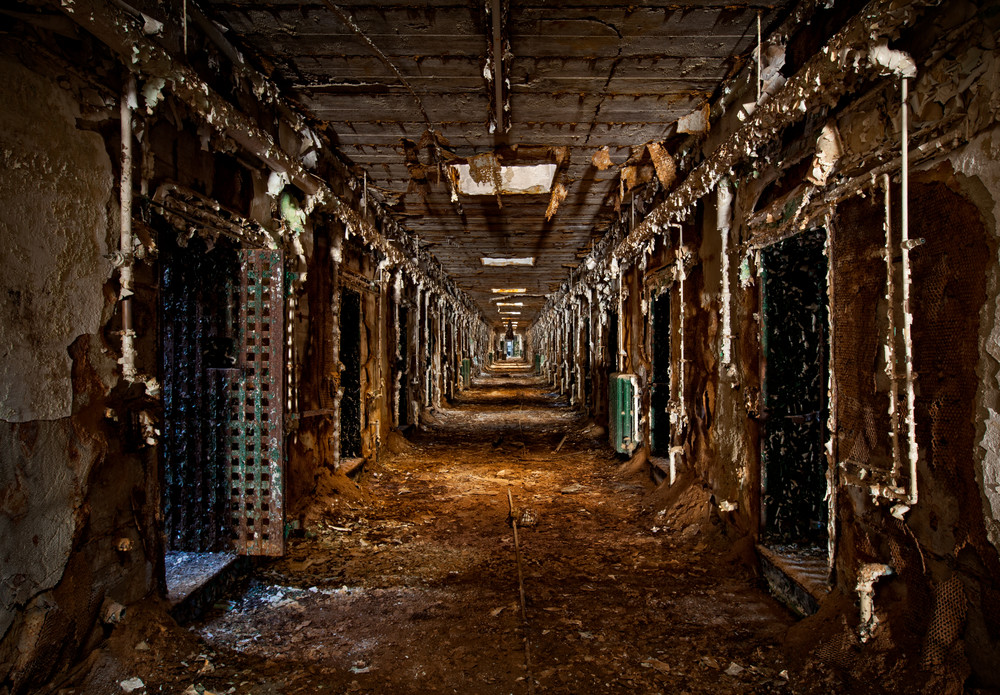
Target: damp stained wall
<point x="55" y="198"/>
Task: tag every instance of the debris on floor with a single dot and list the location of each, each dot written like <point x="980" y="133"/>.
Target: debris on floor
<point x="409" y="584"/>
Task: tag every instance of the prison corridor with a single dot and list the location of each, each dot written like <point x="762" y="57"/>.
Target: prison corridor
<point x="407" y="578"/>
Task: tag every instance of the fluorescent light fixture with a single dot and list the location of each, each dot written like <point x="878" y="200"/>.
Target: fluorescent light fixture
<point x="499" y="262"/>
<point x="511" y="313"/>
<point x="499" y="304"/>
<point x="508" y="290"/>
<point x="532" y="178"/>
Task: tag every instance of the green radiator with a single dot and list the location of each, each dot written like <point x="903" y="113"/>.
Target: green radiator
<point x="539" y="358"/>
<point x="466" y="372"/>
<point x="621" y="412"/>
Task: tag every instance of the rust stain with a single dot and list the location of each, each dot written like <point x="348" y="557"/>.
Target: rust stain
<point x="602" y="159"/>
<point x="666" y="167"/>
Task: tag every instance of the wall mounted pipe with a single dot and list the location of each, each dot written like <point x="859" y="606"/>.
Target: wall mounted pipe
<point x="724" y="218"/>
<point x="123" y="34"/>
<point x="868" y="575"/>
<point x="911" y="416"/>
<point x="336" y="256"/>
<point x="128" y="103"/>
<point x="890" y="347"/>
<point x="807" y="90"/>
<point x="682" y="362"/>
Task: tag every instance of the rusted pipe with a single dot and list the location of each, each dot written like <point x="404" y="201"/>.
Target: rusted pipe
<point x="890" y="367"/>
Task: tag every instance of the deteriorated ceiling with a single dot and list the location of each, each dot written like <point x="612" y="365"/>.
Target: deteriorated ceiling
<point x="407" y="89"/>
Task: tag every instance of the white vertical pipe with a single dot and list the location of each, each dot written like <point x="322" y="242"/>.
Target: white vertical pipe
<point x="890" y="356"/>
<point x="911" y="420"/>
<point x="724" y="204"/>
<point x="682" y="275"/>
<point x="128" y="101"/>
<point x="619" y="361"/>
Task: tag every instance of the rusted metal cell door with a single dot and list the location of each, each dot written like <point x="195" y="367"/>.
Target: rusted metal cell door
<point x="256" y="424"/>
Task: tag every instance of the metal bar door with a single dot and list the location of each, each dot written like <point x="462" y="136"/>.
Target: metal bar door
<point x="257" y="469"/>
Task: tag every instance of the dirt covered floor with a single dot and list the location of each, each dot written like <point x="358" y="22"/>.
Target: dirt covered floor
<point x="407" y="581"/>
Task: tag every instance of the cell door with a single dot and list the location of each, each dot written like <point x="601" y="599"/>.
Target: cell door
<point x="222" y="329"/>
<point x="199" y="295"/>
<point x="795" y="345"/>
<point x="256" y="433"/>
<point x="659" y="398"/>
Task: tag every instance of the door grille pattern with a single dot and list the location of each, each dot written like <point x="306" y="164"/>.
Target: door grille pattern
<point x="256" y="428"/>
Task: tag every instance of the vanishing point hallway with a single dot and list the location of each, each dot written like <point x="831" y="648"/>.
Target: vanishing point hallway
<point x="407" y="582"/>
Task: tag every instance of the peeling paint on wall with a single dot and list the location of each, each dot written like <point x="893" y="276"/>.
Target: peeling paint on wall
<point x="58" y="180"/>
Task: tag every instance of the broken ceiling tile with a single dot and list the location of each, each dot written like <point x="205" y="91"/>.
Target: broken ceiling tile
<point x="695" y="122"/>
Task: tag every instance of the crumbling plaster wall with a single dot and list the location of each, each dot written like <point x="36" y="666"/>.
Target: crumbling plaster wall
<point x="68" y="476"/>
<point x="978" y="161"/>
<point x="55" y="184"/>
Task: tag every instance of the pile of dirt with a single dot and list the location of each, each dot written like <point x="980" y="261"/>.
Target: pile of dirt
<point x="636" y="467"/>
<point x="147" y="652"/>
<point x="332" y="489"/>
<point x="397" y="444"/>
<point x="684" y="508"/>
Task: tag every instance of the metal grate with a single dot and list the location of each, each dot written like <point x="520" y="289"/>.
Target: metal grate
<point x="256" y="431"/>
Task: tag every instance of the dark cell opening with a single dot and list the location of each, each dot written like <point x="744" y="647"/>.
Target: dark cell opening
<point x="588" y="379"/>
<point x="571" y="350"/>
<point x="198" y="332"/>
<point x="401" y="366"/>
<point x="660" y="391"/>
<point x="796" y="345"/>
<point x="612" y="344"/>
<point x="350" y="378"/>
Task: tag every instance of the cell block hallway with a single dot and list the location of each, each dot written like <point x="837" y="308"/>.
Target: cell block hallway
<point x="439" y="346"/>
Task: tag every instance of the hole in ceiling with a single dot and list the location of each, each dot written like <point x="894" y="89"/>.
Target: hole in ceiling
<point x="495" y="261"/>
<point x="526" y="179"/>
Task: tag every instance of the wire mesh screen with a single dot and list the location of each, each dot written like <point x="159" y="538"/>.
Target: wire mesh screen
<point x="198" y="300"/>
<point x="860" y="328"/>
